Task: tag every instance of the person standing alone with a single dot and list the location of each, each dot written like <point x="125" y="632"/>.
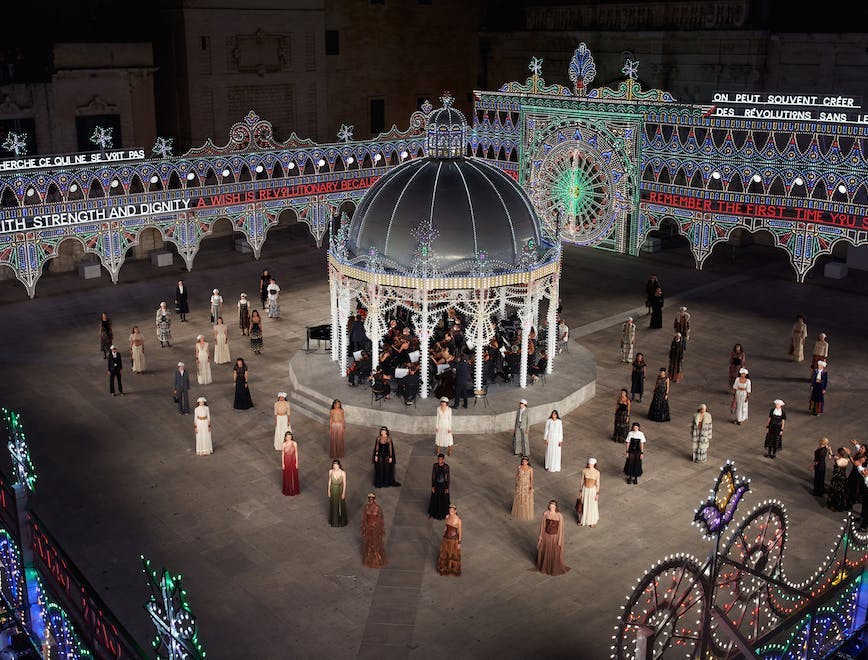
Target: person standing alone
<point x="115" y="366"/>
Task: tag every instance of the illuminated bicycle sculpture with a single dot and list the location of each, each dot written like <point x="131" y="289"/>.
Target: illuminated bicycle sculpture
<point x="732" y="604"/>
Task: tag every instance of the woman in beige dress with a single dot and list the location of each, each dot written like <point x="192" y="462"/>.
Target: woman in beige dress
<point x="202" y="426"/>
<point x="443" y="440"/>
<point x="203" y="361"/>
<point x="550" y="544"/>
<point x="281" y="420"/>
<point x="137" y="350"/>
<point x="522" y="503"/>
<point x="797" y="343"/>
<point x="821" y="350"/>
<point x="589" y="495"/>
<point x="336" y="430"/>
<point x="449" y="559"/>
<point x="221" y="342"/>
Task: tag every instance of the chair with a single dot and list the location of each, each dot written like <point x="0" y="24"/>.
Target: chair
<point x="378" y="396"/>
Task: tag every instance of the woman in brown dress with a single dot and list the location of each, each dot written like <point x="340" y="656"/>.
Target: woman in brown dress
<point x="550" y="545"/>
<point x="336" y="430"/>
<point x="522" y="504"/>
<point x="373" y="534"/>
<point x="449" y="560"/>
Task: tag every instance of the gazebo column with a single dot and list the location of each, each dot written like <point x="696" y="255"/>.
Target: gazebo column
<point x="372" y="324"/>
<point x="480" y="335"/>
<point x="424" y="337"/>
<point x="501" y="294"/>
<point x="343" y="318"/>
<point x="552" y="339"/>
<point x="526" y="316"/>
<point x="333" y="295"/>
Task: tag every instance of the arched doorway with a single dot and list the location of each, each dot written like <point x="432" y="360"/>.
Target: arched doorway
<point x="667" y="238"/>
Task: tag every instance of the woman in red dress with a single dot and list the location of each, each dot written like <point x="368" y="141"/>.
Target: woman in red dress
<point x="550" y="545"/>
<point x="289" y="463"/>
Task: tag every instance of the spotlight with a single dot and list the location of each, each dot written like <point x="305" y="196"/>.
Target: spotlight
<point x="378" y="158"/>
<point x="225" y="173"/>
<point x="114" y="183"/>
<point x="73" y="187"/>
<point x="155" y="178"/>
<point x="404" y="154"/>
<point x="190" y="176"/>
<point x="259" y="169"/>
<point x="291" y="166"/>
<point x="757" y="178"/>
<point x="350" y="160"/>
<point x="798" y="181"/>
<point x="320" y="162"/>
<point x="30" y="192"/>
<point x="715" y="175"/>
<point x="842" y="189"/>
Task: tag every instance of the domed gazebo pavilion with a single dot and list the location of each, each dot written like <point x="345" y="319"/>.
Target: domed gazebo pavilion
<point x="438" y="232"/>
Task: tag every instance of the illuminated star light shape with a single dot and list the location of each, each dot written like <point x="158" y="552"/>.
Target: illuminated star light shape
<point x="16" y="143"/>
<point x="102" y="137"/>
<point x="535" y="66"/>
<point x="631" y="69"/>
<point x="19" y="450"/>
<point x="172" y="617"/>
<point x="447" y="99"/>
<point x="163" y="147"/>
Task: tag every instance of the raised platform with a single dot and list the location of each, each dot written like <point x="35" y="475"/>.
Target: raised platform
<point x="315" y="384"/>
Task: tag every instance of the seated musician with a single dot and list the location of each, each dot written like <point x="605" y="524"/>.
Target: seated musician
<point x="538" y="368"/>
<point x="359" y="370"/>
<point x="409" y="385"/>
<point x="400" y="358"/>
<point x="449" y="342"/>
<point x="511" y="362"/>
<point x="458" y="338"/>
<point x="380" y="384"/>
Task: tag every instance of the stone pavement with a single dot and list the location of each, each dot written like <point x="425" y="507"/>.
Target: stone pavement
<point x="268" y="578"/>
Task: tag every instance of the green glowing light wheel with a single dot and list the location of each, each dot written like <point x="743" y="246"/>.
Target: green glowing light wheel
<point x="572" y="188"/>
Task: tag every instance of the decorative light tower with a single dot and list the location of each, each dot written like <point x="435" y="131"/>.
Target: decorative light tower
<point x="177" y="635"/>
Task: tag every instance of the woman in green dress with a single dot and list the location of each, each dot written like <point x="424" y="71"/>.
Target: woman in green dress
<point x="337" y="492"/>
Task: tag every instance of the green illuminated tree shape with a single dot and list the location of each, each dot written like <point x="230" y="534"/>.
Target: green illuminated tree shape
<point x="18" y="450"/>
<point x="177" y="635"/>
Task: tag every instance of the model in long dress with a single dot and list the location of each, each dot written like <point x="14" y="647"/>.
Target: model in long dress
<point x="637" y="378"/>
<point x="741" y="389"/>
<point x="221" y="342"/>
<point x="676" y="359"/>
<point x="443" y="440"/>
<point x="383" y="458"/>
<point x="164" y="325"/>
<point x="554" y="438"/>
<point x="622" y="417"/>
<point x="337" y="492"/>
<point x="337" y="427"/>
<point x="819" y="384"/>
<point x="240" y="375"/>
<point x="137" y="350"/>
<point x="839" y="499"/>
<point x="657" y="309"/>
<point x="449" y="558"/>
<point x="281" y="420"/>
<point x="522" y="503"/>
<point x="373" y="534"/>
<point x="737" y="360"/>
<point x="797" y="340"/>
<point x="289" y="466"/>
<point x="203" y="361"/>
<point x="202" y="424"/>
<point x="700" y="431"/>
<point x="589" y="495"/>
<point x="244" y="313"/>
<point x="821" y="454"/>
<point x="774" y="441"/>
<point x="634" y="454"/>
<point x="216" y="305"/>
<point x="438" y="504"/>
<point x="106" y="336"/>
<point x="255" y="332"/>
<point x="273" y="300"/>
<point x="628" y="337"/>
<point x="658" y="411"/>
<point x="550" y="544"/>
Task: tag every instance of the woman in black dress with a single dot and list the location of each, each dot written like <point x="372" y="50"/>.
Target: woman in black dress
<point x="634" y="454"/>
<point x="775" y="425"/>
<point x="255" y="332"/>
<point x="637" y="378"/>
<point x="622" y="417"/>
<point x="383" y="459"/>
<point x="264" y="281"/>
<point x="821" y="454"/>
<point x="839" y="498"/>
<point x="659" y="409"/>
<point x="657" y="309"/>
<point x="106" y="336"/>
<point x="243" y="401"/>
<point x="438" y="506"/>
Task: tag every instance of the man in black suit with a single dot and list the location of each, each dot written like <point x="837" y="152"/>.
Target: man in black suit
<point x="182" y="307"/>
<point x="182" y="389"/>
<point x="114" y="370"/>
<point x="462" y="380"/>
<point x="358" y="337"/>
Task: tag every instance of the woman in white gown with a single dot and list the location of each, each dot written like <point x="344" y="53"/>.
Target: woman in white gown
<point x="202" y="424"/>
<point x="740" y="396"/>
<point x="554" y="437"/>
<point x="203" y="361"/>
<point x="281" y="420"/>
<point x="221" y="342"/>
<point x="443" y="440"/>
<point x="589" y="495"/>
<point x="137" y="350"/>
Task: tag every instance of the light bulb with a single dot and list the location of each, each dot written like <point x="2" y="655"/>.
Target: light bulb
<point x="259" y="169"/>
<point x="190" y="176"/>
<point x="225" y="173"/>
<point x="155" y="178"/>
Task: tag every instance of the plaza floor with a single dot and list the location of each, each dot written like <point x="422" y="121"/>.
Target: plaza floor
<point x="268" y="578"/>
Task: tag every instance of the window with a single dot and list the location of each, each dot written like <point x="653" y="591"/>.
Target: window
<point x="332" y="42"/>
<point x="85" y="125"/>
<point x="378" y="116"/>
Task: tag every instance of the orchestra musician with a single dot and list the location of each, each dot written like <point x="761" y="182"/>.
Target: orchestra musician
<point x="380" y="383"/>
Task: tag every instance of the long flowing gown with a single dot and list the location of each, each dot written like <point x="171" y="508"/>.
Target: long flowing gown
<point x="255" y="336"/>
<point x="628" y="337"/>
<point x="741" y="392"/>
<point x="203" y="364"/>
<point x="291" y="485"/>
<point x="438" y="505"/>
<point x="522" y="503"/>
<point x="797" y="341"/>
<point x="622" y="423"/>
<point x="164" y="326"/>
<point x="203" y="430"/>
<point x="839" y="499"/>
<point x="676" y="361"/>
<point x="774" y="441"/>
<point x="281" y="424"/>
<point x="221" y="344"/>
<point x="554" y="436"/>
<point x="449" y="559"/>
<point x="656" y="312"/>
<point x="633" y="464"/>
<point x="700" y="431"/>
<point x="443" y="437"/>
<point x="273" y="301"/>
<point x="820" y="455"/>
<point x="590" y="505"/>
<point x="373" y="536"/>
<point x="137" y="352"/>
<point x="637" y="379"/>
<point x="658" y="411"/>
<point x="243" y="315"/>
<point x="384" y="468"/>
<point x="550" y="548"/>
<point x="336" y="433"/>
<point x="337" y="505"/>
<point x="106" y="336"/>
<point x="243" y="400"/>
